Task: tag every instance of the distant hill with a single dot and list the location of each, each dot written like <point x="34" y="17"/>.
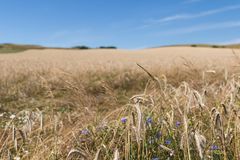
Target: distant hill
<point x="87" y="47"/>
<point x="233" y="46"/>
<point x="13" y="48"/>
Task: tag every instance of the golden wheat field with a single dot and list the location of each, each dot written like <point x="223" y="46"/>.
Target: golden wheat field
<point x="103" y="104"/>
<point x="94" y="59"/>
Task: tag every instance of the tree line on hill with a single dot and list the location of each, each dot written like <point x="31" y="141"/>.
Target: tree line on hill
<point x="87" y="47"/>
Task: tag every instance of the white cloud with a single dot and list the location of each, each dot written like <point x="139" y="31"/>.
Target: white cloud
<point x="232" y="41"/>
<point x="202" y="27"/>
<point x="66" y="38"/>
<point x="193" y="16"/>
<point x="192" y="1"/>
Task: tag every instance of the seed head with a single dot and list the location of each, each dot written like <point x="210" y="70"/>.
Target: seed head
<point x="159" y="134"/>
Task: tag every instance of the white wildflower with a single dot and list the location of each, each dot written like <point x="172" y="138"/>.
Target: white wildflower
<point x="12" y="116"/>
<point x="16" y="158"/>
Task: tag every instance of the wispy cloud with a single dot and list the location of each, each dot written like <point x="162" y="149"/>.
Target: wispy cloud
<point x="203" y="27"/>
<point x="232" y="41"/>
<point x="191" y="1"/>
<point x="178" y="17"/>
<point x="66" y="38"/>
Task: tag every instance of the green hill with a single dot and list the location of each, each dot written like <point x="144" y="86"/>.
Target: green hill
<point x="13" y="48"/>
<point x="233" y="46"/>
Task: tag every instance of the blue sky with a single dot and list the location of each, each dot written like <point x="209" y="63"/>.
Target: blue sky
<point x="123" y="23"/>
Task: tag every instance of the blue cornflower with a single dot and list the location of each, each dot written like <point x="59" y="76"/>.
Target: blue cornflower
<point x="178" y="124"/>
<point x="155" y="158"/>
<point x="149" y="120"/>
<point x="159" y="134"/>
<point x="124" y="120"/>
<point x="168" y="142"/>
<point x="214" y="147"/>
<point x="85" y="132"/>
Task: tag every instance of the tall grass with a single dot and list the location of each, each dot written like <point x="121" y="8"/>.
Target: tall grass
<point x="167" y="122"/>
<point x="125" y="114"/>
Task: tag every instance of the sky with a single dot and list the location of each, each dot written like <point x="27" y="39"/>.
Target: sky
<point x="128" y="24"/>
